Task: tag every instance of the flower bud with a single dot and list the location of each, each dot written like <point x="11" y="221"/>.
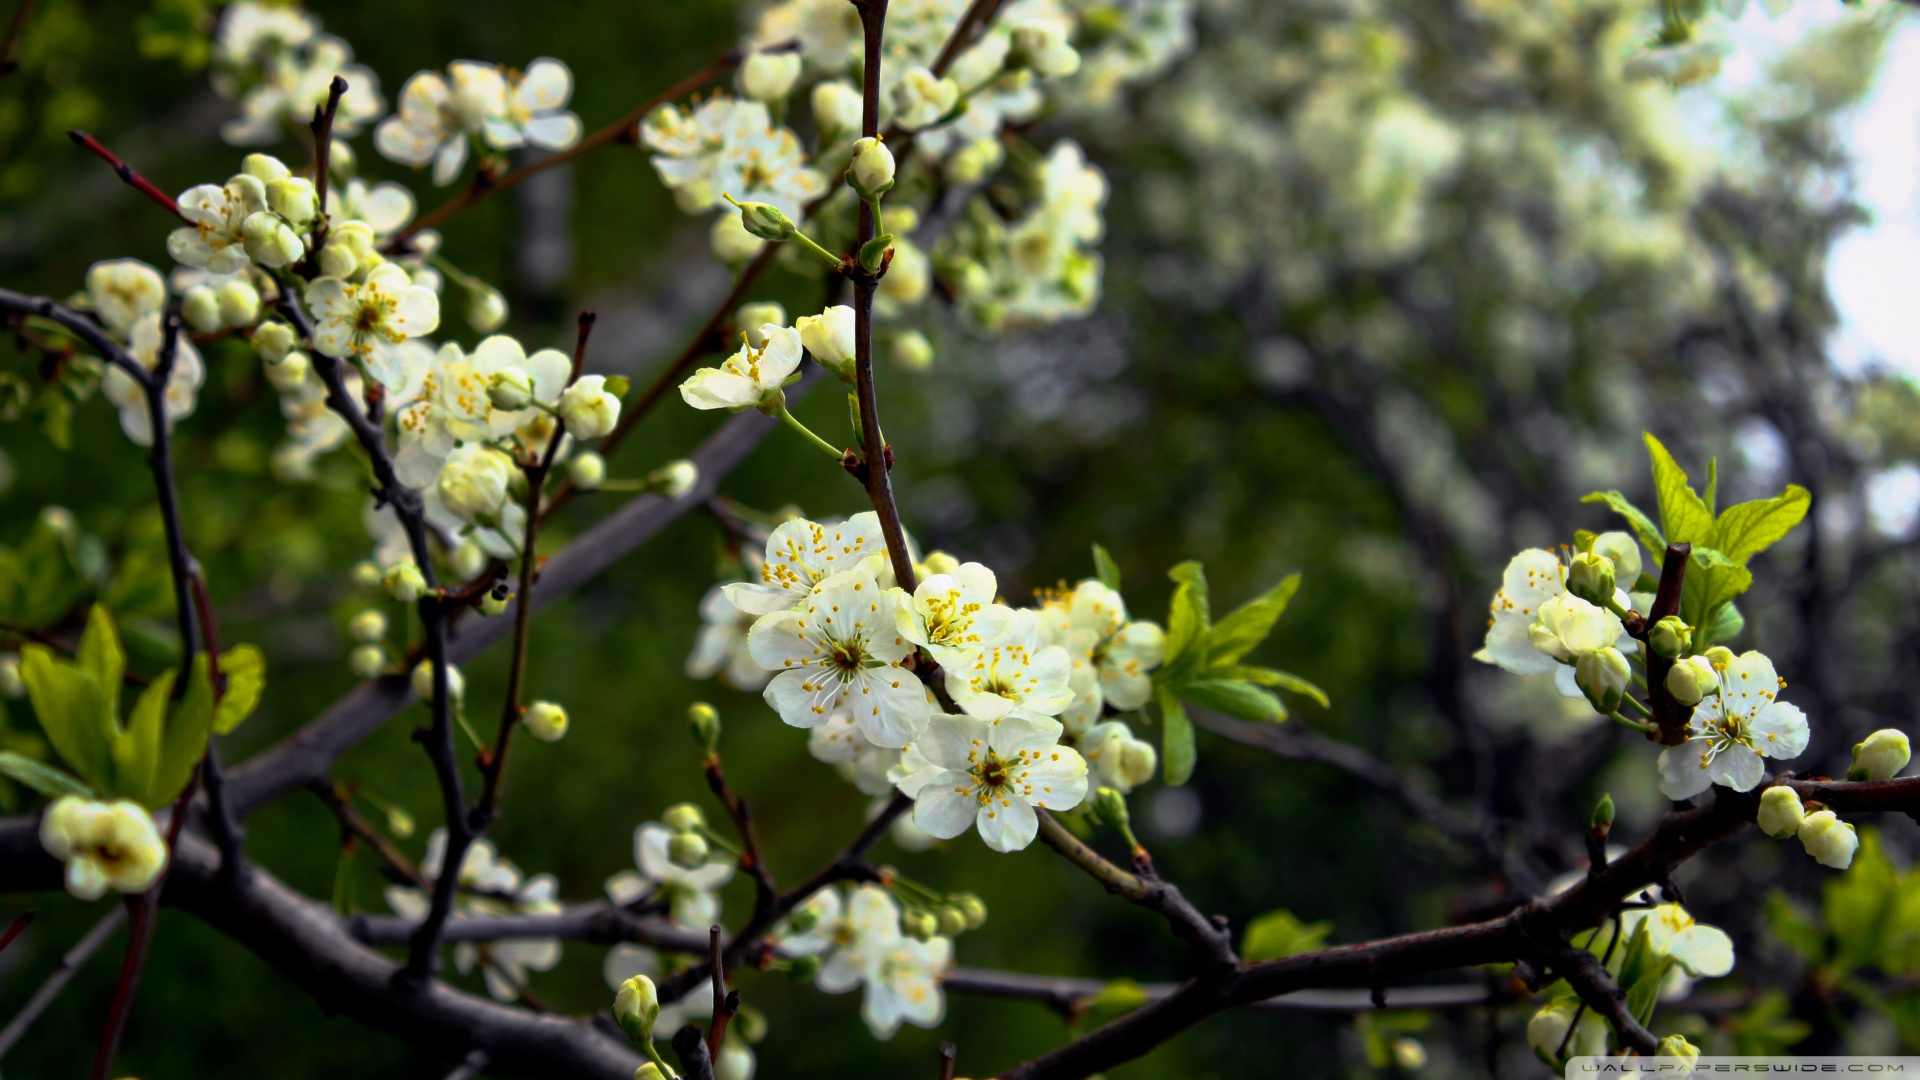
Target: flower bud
<point x="493" y="603"/>
<point x="765" y="221"/>
<point x="688" y="849"/>
<point x="731" y="242"/>
<point x="264" y="167"/>
<point x="423" y="682"/>
<point x="828" y="337"/>
<point x="675" y="478"/>
<point x="587" y="409"/>
<point x="973" y="908"/>
<point x="1590" y="577"/>
<point x="239" y="303"/>
<point x="919" y="925"/>
<point x="1548" y="1030"/>
<point x="367" y="661"/>
<point x="912" y="351"/>
<point x="587" y="471"/>
<point x="467" y="559"/>
<point x="1046" y="50"/>
<point x="337" y="261"/>
<point x="369" y="626"/>
<point x="648" y="1071"/>
<point x="1602" y="813"/>
<point x="705" y="723"/>
<point x="684" y="818"/>
<point x="486" y="309"/>
<point x="273" y="341"/>
<point x="1781" y="813"/>
<point x="546" y="721"/>
<point x="399" y="822"/>
<point x="1603" y="675"/>
<point x="952" y="920"/>
<point x="365" y="574"/>
<point x="870" y="173"/>
<point x="1111" y="806"/>
<point x="769" y="76"/>
<point x="1670" y="637"/>
<point x="270" y="241"/>
<point x="293" y="198"/>
<point x="1623" y="552"/>
<point x="1719" y="656"/>
<point x="1677" y="1046"/>
<point x="340" y="159"/>
<point x="1881" y="756"/>
<point x="404" y="582"/>
<point x="1138" y="759"/>
<point x="836" y="109"/>
<point x="11" y="684"/>
<point x="290" y="373"/>
<point x="511" y="388"/>
<point x="1829" y="840"/>
<point x="200" y="307"/>
<point x="1692" y="679"/>
<point x="636" y="1006"/>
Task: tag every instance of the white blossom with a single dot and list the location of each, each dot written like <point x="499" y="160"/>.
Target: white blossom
<point x="727" y="145"/>
<point x="721" y="648"/>
<point x="370" y="320"/>
<point x="750" y="377"/>
<point x="1730" y="733"/>
<point x="1117" y="759"/>
<point x="954" y="615"/>
<point x="801" y="554"/>
<point x="691" y="894"/>
<point x="284" y="85"/>
<point x="1113" y="656"/>
<point x="1703" y="951"/>
<point x="104" y="844"/>
<point x="841" y="649"/>
<point x="992" y="775"/>
<point x="215" y="214"/>
<point x="123" y="291"/>
<point x="1015" y="677"/>
<point x="144" y="343"/>
<point x="839" y="743"/>
<point x="488" y="885"/>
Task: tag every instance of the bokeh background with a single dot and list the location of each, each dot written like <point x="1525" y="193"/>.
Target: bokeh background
<point x="1389" y="286"/>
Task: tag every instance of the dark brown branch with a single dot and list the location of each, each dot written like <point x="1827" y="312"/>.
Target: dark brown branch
<point x="80" y="326"/>
<point x="15" y="26"/>
<point x="1668" y="713"/>
<point x="596" y="923"/>
<point x="355" y="829"/>
<point x="1146" y="888"/>
<point x="765" y="892"/>
<point x="725" y="1005"/>
<point x="1070" y="996"/>
<point x="691" y="1045"/>
<point x="128" y="174"/>
<point x="322" y="128"/>
<point x="1588" y="977"/>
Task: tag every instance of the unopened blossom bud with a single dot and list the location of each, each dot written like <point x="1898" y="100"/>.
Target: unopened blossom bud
<point x="1044" y="49"/>
<point x="404" y="582"/>
<point x="273" y="341"/>
<point x="423" y="682"/>
<point x="1138" y="759"/>
<point x="973" y="908"/>
<point x="264" y="167"/>
<point x="493" y="603"/>
<point x="975" y="161"/>
<point x="675" y="478"/>
<point x="1602" y="813"/>
<point x="1692" y="679"/>
<point x="511" y="388"/>
<point x="769" y="76"/>
<point x="764" y="220"/>
<point x="1547" y="1031"/>
<point x="239" y="303"/>
<point x="919" y="925"/>
<point x="912" y="351"/>
<point x="200" y="306"/>
<point x="636" y="1006"/>
<point x="366" y="574"/>
<point x="828" y="337"/>
<point x="474" y="487"/>
<point x="921" y="98"/>
<point x="369" y="626"/>
<point x="731" y="242"/>
<point x="836" y="109"/>
<point x="752" y="319"/>
<point x="587" y="409"/>
<point x="704" y="721"/>
<point x="1719" y="656"/>
<point x="684" y="817"/>
<point x="1670" y="637"/>
<point x="1881" y="756"/>
<point x="399" y="822"/>
<point x="293" y="198"/>
<point x="270" y="241"/>
<point x="1603" y="675"/>
<point x="467" y="559"/>
<point x="486" y="309"/>
<point x="648" y="1071"/>
<point x="1781" y="813"/>
<point x="290" y="373"/>
<point x="587" y="471"/>
<point x="1111" y="806"/>
<point x="1829" y="840"/>
<point x="1677" y="1046"/>
<point x="337" y="260"/>
<point x="367" y="661"/>
<point x="688" y="849"/>
<point x="953" y="921"/>
<point x="341" y="160"/>
<point x="1590" y="577"/>
<point x="11" y="684"/>
<point x="870" y="173"/>
<point x="546" y="721"/>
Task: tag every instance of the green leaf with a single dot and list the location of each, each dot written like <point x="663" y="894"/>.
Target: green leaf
<point x="40" y="776"/>
<point x="1791" y="926"/>
<point x="1642" y="526"/>
<point x="1115" y="999"/>
<point x="136" y="751"/>
<point x="1751" y="527"/>
<point x="1712" y="491"/>
<point x="1176" y="740"/>
<point x="1188" y="621"/>
<point x="617" y="385"/>
<point x="1859" y="905"/>
<point x="1249" y="624"/>
<point x="1278" y="933"/>
<point x="1235" y="698"/>
<point x="1683" y="516"/>
<point x="72" y="712"/>
<point x="1712" y="581"/>
<point x="1105" y="568"/>
<point x="101" y="656"/>
<point x="186" y="739"/>
<point x="1724" y="624"/>
<point x="245" y="669"/>
<point x="1644" y="994"/>
<point x="1265" y="676"/>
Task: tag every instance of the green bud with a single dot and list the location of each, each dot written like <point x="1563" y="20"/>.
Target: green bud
<point x="648" y="1071"/>
<point x="953" y="921"/>
<point x="764" y="220"/>
<point x="264" y="167"/>
<point x="1881" y="756"/>
<point x="973" y="908"/>
<point x="684" y="818"/>
<point x="1781" y="812"/>
<point x="399" y="822"/>
<point x="404" y="582"/>
<point x="705" y="722"/>
<point x="273" y="341"/>
<point x="1111" y="807"/>
<point x="1670" y="637"/>
<point x="494" y="602"/>
<point x="1602" y="813"/>
<point x="1692" y="679"/>
<point x="1590" y="577"/>
<point x="688" y="849"/>
<point x="1603" y="675"/>
<point x="636" y="1006"/>
<point x="919" y="925"/>
<point x="367" y="661"/>
<point x="874" y="251"/>
<point x="546" y="721"/>
<point x="1677" y="1046"/>
<point x="200" y="306"/>
<point x="870" y="172"/>
<point x="293" y="198"/>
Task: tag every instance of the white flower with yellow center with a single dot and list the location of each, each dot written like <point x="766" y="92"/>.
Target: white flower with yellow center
<point x="123" y="291"/>
<point x="105" y="845"/>
<point x="144" y="343"/>
<point x="729" y="146"/>
<point x="991" y="775"/>
<point x="385" y="207"/>
<point x="828" y="31"/>
<point x="903" y="984"/>
<point x="841" y="650"/>
<point x="1731" y="732"/>
<point x="1014" y="677"/>
<point x="454" y="406"/>
<point x="212" y="238"/>
<point x="721" y="647"/>
<point x="690" y="893"/>
<point x="839" y="743"/>
<point x="369" y="321"/>
<point x="291" y="84"/>
<point x="1703" y="951"/>
<point x="802" y="554"/>
<point x="1112" y="655"/>
<point x="436" y="117"/>
<point x="489" y="885"/>
<point x="750" y="377"/>
<point x="953" y="615"/>
<point x="536" y="109"/>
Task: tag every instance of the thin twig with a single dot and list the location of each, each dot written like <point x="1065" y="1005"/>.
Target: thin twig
<point x="128" y="174"/>
<point x="21" y="11"/>
<point x="725" y="1004"/>
<point x="356" y="828"/>
<point x="322" y="127"/>
<point x="948" y="1055"/>
<point x="62" y="974"/>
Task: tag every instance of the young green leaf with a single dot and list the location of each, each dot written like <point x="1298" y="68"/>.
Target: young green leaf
<point x="1279" y="934"/>
<point x="1684" y="517"/>
<point x="245" y="669"/>
<point x="617" y="385"/>
<point x="1176" y="740"/>
<point x="136" y="752"/>
<point x="1188" y="622"/>
<point x="101" y="656"/>
<point x="1644" y="994"/>
<point x="1235" y="698"/>
<point x="40" y="776"/>
<point x="1751" y="527"/>
<point x="1265" y="676"/>
<point x="1724" y="624"/>
<point x="1643" y="526"/>
<point x="1248" y="625"/>
<point x="186" y="739"/>
<point x="1105" y="568"/>
<point x="73" y="713"/>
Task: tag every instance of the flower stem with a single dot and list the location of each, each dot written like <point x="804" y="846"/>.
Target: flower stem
<point x="808" y="245"/>
<point x="787" y="418"/>
<point x="1633" y="725"/>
